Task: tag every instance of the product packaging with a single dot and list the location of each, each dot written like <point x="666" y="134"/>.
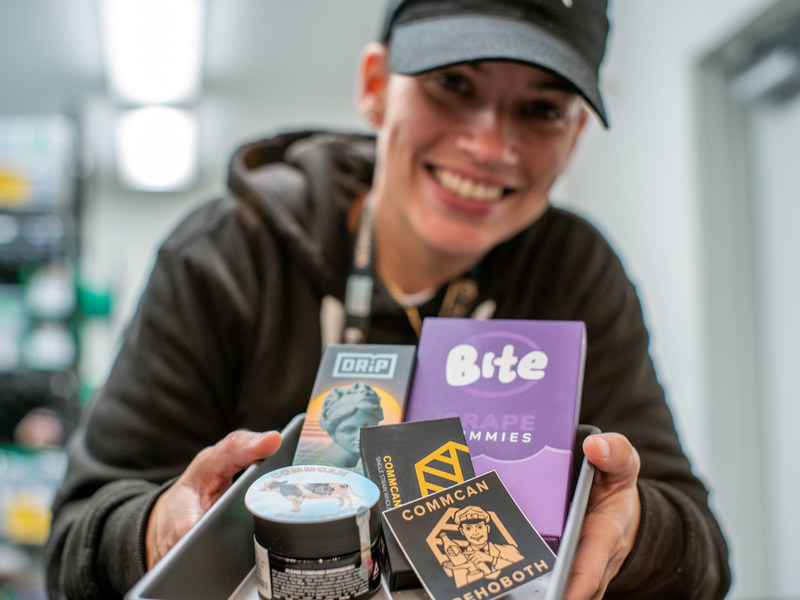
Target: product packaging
<point x="408" y="461"/>
<point x="516" y="385"/>
<point x="357" y="385"/>
<point x="470" y="541"/>
<point x="317" y="533"/>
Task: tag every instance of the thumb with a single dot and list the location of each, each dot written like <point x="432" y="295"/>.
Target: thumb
<point x="613" y="455"/>
<point x="213" y="468"/>
<point x="239" y="449"/>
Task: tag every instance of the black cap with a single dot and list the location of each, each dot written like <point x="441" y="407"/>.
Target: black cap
<point x="565" y="37"/>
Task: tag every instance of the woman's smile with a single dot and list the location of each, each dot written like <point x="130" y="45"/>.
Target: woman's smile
<point x="467" y="187"/>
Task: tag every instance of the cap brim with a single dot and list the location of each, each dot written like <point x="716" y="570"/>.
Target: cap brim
<point x="419" y="46"/>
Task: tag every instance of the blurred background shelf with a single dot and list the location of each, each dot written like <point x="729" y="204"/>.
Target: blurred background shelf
<point x="44" y="308"/>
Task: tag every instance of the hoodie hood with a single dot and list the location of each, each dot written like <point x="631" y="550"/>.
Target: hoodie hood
<point x="300" y="183"/>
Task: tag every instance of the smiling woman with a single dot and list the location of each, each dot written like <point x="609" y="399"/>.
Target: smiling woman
<point x="477" y="106"/>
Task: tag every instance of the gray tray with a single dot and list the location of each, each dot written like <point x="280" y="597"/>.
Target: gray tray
<point x="215" y="560"/>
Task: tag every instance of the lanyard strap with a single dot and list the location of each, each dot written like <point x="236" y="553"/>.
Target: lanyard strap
<point x="358" y="294"/>
<point x="461" y="291"/>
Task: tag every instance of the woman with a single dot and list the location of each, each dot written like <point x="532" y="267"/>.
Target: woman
<point x="477" y="106"/>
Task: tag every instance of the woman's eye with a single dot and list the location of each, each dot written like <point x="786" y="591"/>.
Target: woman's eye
<point x="544" y="110"/>
<point x="453" y="82"/>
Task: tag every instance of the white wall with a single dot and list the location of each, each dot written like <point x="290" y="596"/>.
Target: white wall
<point x="640" y="182"/>
<point x="777" y="143"/>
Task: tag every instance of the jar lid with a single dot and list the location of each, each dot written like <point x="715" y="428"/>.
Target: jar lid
<point x="312" y="511"/>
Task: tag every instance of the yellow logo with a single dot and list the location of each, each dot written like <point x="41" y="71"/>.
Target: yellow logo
<point x="441" y="464"/>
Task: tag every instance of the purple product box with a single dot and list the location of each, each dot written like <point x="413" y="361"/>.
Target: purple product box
<point x="516" y="385"/>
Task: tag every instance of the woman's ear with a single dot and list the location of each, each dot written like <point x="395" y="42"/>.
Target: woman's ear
<point x="582" y="119"/>
<point x="373" y="78"/>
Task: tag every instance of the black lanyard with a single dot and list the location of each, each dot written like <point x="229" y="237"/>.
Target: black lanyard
<point x="460" y="294"/>
<point x="358" y="295"/>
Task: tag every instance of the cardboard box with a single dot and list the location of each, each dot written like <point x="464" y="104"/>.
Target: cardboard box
<point x="516" y="385"/>
<point x="356" y="385"/>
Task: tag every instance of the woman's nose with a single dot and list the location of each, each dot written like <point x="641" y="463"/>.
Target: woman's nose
<point x="488" y="138"/>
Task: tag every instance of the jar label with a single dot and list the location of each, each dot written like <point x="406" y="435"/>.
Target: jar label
<point x="263" y="574"/>
<point x="309" y="493"/>
<point x="290" y="583"/>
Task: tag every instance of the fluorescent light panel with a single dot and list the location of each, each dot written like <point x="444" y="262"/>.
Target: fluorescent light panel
<point x="156" y="148"/>
<point x="153" y="49"/>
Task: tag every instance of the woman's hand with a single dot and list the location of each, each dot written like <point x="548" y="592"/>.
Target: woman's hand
<point x="612" y="515"/>
<point x="201" y="484"/>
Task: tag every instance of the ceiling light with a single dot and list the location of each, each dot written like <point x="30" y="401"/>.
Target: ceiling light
<point x="153" y="49"/>
<point x="156" y="148"/>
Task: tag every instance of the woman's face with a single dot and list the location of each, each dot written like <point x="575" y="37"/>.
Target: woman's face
<point x="348" y="433"/>
<point x="467" y="154"/>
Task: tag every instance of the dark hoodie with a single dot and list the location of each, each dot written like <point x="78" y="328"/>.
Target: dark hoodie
<point x="227" y="336"/>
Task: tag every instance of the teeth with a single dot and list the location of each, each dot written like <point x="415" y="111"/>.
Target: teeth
<point x="467" y="187"/>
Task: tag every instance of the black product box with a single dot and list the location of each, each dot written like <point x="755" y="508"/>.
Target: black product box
<point x="408" y="461"/>
<point x="470" y="540"/>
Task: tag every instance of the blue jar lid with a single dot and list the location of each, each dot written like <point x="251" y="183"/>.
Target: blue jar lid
<point x="309" y="511"/>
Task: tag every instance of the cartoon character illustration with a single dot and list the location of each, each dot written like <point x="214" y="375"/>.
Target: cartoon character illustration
<point x="344" y="412"/>
<point x="474" y="557"/>
<point x="296" y="493"/>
